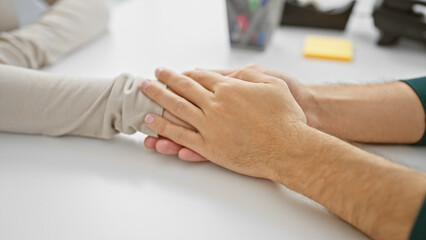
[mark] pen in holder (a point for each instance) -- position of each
(252, 22)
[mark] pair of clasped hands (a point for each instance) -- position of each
(244, 120)
(266, 124)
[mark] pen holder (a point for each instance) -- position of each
(252, 22)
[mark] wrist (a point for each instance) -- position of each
(314, 109)
(322, 112)
(302, 151)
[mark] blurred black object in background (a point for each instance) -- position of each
(308, 15)
(393, 18)
(400, 18)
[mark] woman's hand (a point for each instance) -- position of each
(166, 146)
(240, 125)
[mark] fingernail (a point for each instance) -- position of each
(149, 119)
(145, 83)
(158, 71)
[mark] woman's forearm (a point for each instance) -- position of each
(377, 196)
(376, 113)
(40, 103)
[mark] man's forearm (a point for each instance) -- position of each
(377, 196)
(376, 113)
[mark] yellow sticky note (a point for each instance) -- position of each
(328, 47)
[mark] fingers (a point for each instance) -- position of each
(166, 146)
(190, 156)
(162, 145)
(173, 103)
(207, 79)
(150, 142)
(184, 86)
(177, 134)
(249, 75)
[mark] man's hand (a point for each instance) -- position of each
(300, 92)
(219, 108)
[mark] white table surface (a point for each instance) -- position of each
(81, 188)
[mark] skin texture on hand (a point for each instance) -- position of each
(256, 127)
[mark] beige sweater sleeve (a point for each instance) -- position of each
(40, 103)
(67, 25)
(8, 18)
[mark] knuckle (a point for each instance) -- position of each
(239, 73)
(217, 108)
(185, 84)
(272, 79)
(253, 66)
(278, 81)
(179, 107)
(243, 72)
(225, 87)
(246, 71)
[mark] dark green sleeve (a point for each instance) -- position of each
(419, 86)
(419, 229)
